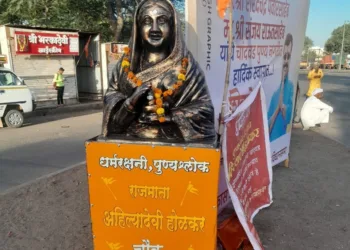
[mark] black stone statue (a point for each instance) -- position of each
(157, 90)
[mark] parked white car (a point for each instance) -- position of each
(15, 99)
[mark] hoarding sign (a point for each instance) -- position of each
(38, 43)
(268, 42)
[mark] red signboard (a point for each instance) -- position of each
(247, 162)
(235, 98)
(39, 43)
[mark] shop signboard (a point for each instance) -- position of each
(40, 43)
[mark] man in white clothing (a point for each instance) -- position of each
(315, 111)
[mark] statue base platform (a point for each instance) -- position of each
(153, 195)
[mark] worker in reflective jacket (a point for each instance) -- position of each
(58, 83)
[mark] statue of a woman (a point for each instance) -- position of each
(157, 90)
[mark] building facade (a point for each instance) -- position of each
(36, 54)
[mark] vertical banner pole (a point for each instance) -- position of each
(228, 70)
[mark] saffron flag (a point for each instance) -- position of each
(222, 6)
(91, 61)
(86, 48)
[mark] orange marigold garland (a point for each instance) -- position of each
(162, 119)
(159, 103)
(126, 51)
(159, 94)
(126, 68)
(130, 75)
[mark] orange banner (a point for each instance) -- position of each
(153, 197)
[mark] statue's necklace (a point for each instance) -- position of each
(158, 94)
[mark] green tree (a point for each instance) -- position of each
(121, 12)
(89, 15)
(334, 43)
(33, 12)
(309, 56)
(120, 18)
(7, 17)
(112, 18)
(84, 15)
(308, 43)
(312, 56)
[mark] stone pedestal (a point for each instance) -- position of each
(153, 194)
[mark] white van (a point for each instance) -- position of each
(15, 99)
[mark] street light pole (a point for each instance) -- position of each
(342, 46)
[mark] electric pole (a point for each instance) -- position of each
(342, 47)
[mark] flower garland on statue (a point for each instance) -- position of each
(158, 94)
(126, 67)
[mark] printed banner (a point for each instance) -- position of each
(247, 161)
(117, 48)
(223, 196)
(39, 43)
(267, 46)
(153, 197)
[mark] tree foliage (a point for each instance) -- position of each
(6, 16)
(308, 43)
(307, 54)
(121, 12)
(334, 43)
(112, 18)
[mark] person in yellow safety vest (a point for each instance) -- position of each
(315, 77)
(58, 82)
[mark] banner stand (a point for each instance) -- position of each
(286, 162)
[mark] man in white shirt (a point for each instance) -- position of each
(315, 111)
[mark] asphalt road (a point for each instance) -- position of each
(44, 147)
(48, 145)
(337, 94)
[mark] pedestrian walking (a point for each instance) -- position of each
(314, 111)
(58, 83)
(314, 76)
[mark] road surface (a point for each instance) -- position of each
(337, 94)
(48, 146)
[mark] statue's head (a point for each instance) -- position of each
(155, 21)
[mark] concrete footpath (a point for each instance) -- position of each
(53, 110)
(311, 198)
(310, 210)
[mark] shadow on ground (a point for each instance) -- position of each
(311, 199)
(50, 117)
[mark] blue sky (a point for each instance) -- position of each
(326, 15)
